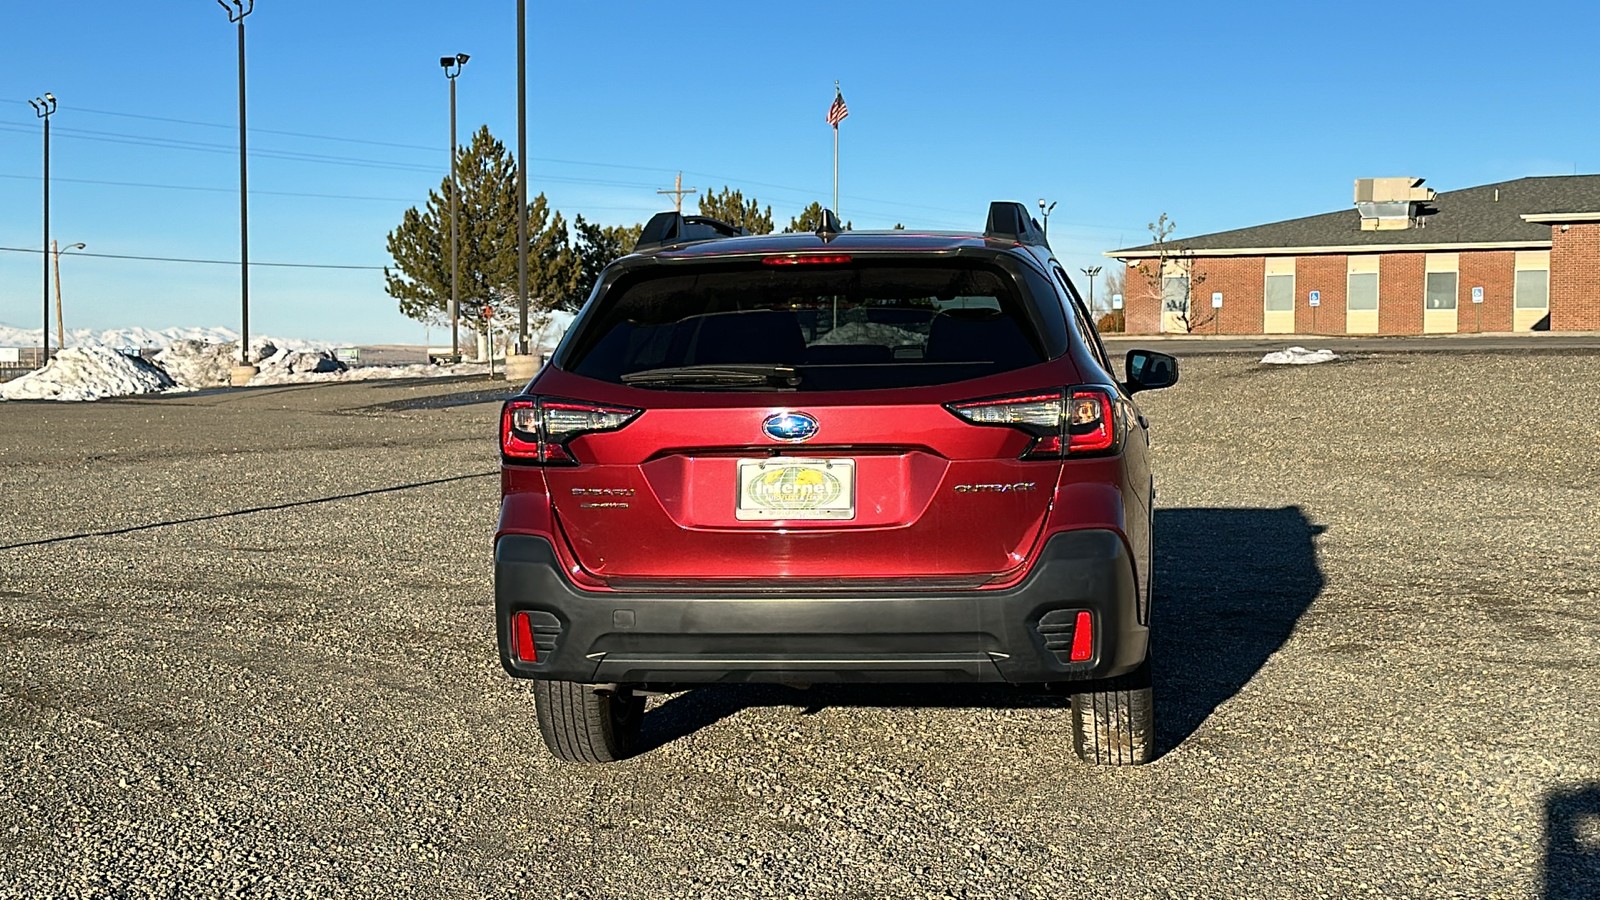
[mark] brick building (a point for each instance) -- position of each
(1519, 255)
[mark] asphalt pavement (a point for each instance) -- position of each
(246, 649)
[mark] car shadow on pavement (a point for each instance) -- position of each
(684, 714)
(1572, 843)
(1230, 584)
(271, 507)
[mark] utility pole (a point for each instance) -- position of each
(452, 67)
(44, 107)
(61, 328)
(678, 191)
(236, 14)
(522, 176)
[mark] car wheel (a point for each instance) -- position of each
(580, 725)
(1113, 724)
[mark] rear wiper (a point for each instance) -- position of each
(731, 375)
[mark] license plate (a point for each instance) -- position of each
(783, 487)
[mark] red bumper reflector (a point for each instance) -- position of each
(522, 639)
(1083, 638)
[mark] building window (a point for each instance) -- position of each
(1279, 295)
(1441, 290)
(1175, 293)
(1362, 292)
(1533, 289)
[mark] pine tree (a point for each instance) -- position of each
(810, 219)
(487, 244)
(596, 246)
(729, 206)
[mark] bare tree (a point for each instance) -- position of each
(1112, 283)
(1180, 299)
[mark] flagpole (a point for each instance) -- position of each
(836, 94)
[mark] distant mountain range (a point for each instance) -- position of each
(143, 338)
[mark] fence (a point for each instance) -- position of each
(18, 361)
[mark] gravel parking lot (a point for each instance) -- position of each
(246, 648)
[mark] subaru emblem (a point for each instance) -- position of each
(790, 426)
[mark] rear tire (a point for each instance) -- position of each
(1114, 724)
(581, 726)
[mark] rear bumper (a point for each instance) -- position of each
(1020, 635)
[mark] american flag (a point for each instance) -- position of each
(838, 110)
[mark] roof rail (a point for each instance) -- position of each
(668, 228)
(1009, 221)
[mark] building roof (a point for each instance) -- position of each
(1504, 214)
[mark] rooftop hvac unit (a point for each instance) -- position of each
(1390, 204)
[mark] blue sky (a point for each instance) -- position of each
(1219, 114)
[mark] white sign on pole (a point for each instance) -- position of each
(10, 355)
(1216, 300)
(1477, 295)
(1316, 298)
(1116, 301)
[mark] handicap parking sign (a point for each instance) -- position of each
(1316, 298)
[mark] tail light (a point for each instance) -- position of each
(537, 429)
(1069, 422)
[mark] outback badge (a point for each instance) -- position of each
(791, 427)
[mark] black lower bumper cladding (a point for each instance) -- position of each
(778, 635)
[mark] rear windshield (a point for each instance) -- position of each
(856, 326)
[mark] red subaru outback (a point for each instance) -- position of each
(858, 456)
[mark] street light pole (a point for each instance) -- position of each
(522, 176)
(1092, 272)
(44, 107)
(1044, 211)
(452, 67)
(61, 328)
(236, 14)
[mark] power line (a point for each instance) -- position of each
(350, 140)
(396, 165)
(293, 156)
(636, 208)
(299, 134)
(209, 262)
(218, 190)
(111, 137)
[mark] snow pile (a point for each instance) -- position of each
(871, 333)
(544, 335)
(281, 375)
(87, 373)
(282, 365)
(415, 370)
(199, 364)
(1298, 356)
(198, 358)
(203, 364)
